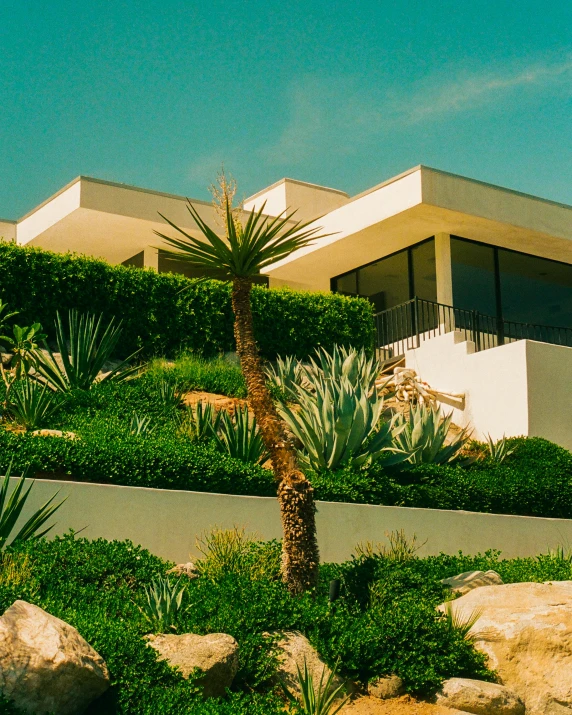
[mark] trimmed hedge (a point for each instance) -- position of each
(166, 313)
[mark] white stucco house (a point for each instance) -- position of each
(471, 283)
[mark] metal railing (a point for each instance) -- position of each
(406, 326)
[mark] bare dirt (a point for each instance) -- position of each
(404, 705)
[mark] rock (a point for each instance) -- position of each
(525, 629)
(215, 654)
(478, 697)
(294, 650)
(189, 569)
(467, 581)
(389, 686)
(53, 433)
(45, 665)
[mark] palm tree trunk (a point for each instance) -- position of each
(300, 557)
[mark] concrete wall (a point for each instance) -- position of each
(522, 388)
(7, 230)
(167, 522)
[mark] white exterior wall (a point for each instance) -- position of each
(522, 388)
(7, 230)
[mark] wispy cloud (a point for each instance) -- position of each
(335, 113)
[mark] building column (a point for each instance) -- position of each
(151, 258)
(443, 270)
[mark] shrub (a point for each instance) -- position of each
(192, 372)
(165, 313)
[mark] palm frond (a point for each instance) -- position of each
(248, 248)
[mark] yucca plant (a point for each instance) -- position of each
(247, 248)
(341, 423)
(240, 437)
(285, 375)
(323, 699)
(202, 421)
(140, 425)
(424, 433)
(91, 344)
(31, 404)
(499, 450)
(11, 508)
(163, 601)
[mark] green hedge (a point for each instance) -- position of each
(165, 313)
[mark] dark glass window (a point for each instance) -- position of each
(386, 283)
(424, 276)
(395, 279)
(535, 290)
(473, 267)
(347, 285)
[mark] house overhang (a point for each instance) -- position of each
(417, 205)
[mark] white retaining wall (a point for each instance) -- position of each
(521, 388)
(167, 522)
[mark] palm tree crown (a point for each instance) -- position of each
(249, 248)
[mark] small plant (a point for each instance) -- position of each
(169, 395)
(239, 436)
(31, 403)
(15, 569)
(202, 422)
(320, 700)
(424, 436)
(462, 625)
(25, 348)
(139, 426)
(91, 345)
(11, 507)
(163, 601)
(223, 552)
(400, 548)
(499, 450)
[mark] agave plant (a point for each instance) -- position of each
(163, 601)
(11, 508)
(240, 437)
(499, 450)
(424, 436)
(285, 375)
(91, 344)
(461, 624)
(324, 699)
(140, 425)
(341, 423)
(345, 363)
(203, 421)
(169, 395)
(31, 403)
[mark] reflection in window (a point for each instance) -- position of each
(535, 290)
(473, 267)
(386, 283)
(395, 279)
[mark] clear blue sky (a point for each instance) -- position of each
(158, 93)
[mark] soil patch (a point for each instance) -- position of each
(405, 705)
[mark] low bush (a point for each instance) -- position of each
(192, 372)
(165, 313)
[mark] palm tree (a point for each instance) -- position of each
(248, 248)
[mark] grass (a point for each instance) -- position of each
(192, 372)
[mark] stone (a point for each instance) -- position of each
(53, 433)
(467, 581)
(478, 697)
(45, 665)
(215, 654)
(293, 650)
(525, 629)
(189, 569)
(389, 686)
